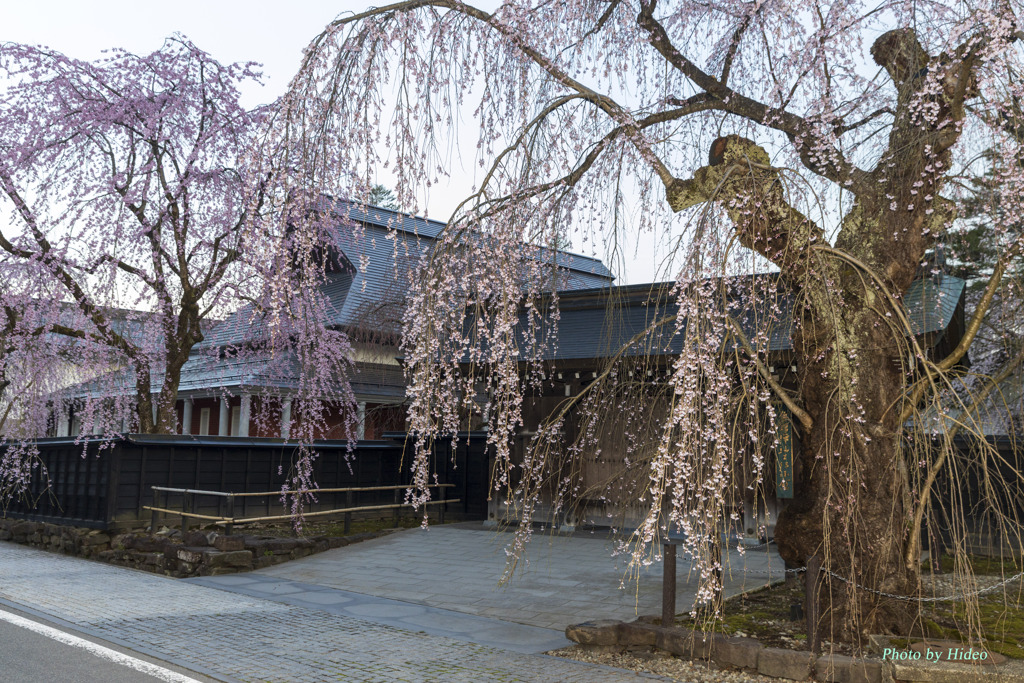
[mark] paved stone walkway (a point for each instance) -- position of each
(240, 638)
(568, 579)
(414, 617)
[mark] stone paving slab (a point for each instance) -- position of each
(402, 614)
(565, 580)
(240, 638)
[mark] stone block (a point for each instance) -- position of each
(95, 538)
(186, 568)
(254, 543)
(686, 643)
(792, 664)
(5, 535)
(146, 544)
(206, 570)
(22, 530)
(636, 634)
(281, 546)
(240, 559)
(228, 543)
(196, 539)
(192, 555)
(741, 653)
(601, 632)
(843, 669)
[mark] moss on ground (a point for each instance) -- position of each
(766, 614)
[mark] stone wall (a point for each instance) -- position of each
(195, 553)
(733, 652)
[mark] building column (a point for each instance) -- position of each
(186, 416)
(361, 420)
(243, 415)
(63, 422)
(286, 418)
(153, 398)
(224, 426)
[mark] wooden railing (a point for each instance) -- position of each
(188, 505)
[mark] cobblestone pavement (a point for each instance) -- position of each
(505, 635)
(568, 578)
(242, 638)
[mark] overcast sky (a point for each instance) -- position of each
(271, 33)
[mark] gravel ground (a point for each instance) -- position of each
(949, 584)
(662, 665)
(675, 668)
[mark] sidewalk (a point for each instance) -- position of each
(567, 579)
(235, 637)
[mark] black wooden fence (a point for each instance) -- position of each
(104, 484)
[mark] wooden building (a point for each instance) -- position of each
(633, 333)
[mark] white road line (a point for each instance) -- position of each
(98, 650)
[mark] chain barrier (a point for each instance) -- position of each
(773, 574)
(907, 598)
(940, 598)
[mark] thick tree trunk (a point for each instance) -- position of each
(851, 504)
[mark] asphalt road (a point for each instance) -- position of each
(34, 651)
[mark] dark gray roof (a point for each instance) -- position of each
(368, 291)
(207, 372)
(596, 323)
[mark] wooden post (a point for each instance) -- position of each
(812, 584)
(442, 506)
(231, 514)
(152, 514)
(185, 500)
(348, 515)
(668, 586)
(398, 510)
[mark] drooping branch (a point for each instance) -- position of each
(603, 101)
(54, 265)
(794, 407)
(832, 165)
(947, 363)
(933, 470)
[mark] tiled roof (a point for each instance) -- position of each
(205, 372)
(383, 255)
(596, 323)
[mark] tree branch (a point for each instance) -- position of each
(789, 401)
(741, 178)
(799, 130)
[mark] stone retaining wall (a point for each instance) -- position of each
(740, 653)
(196, 553)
